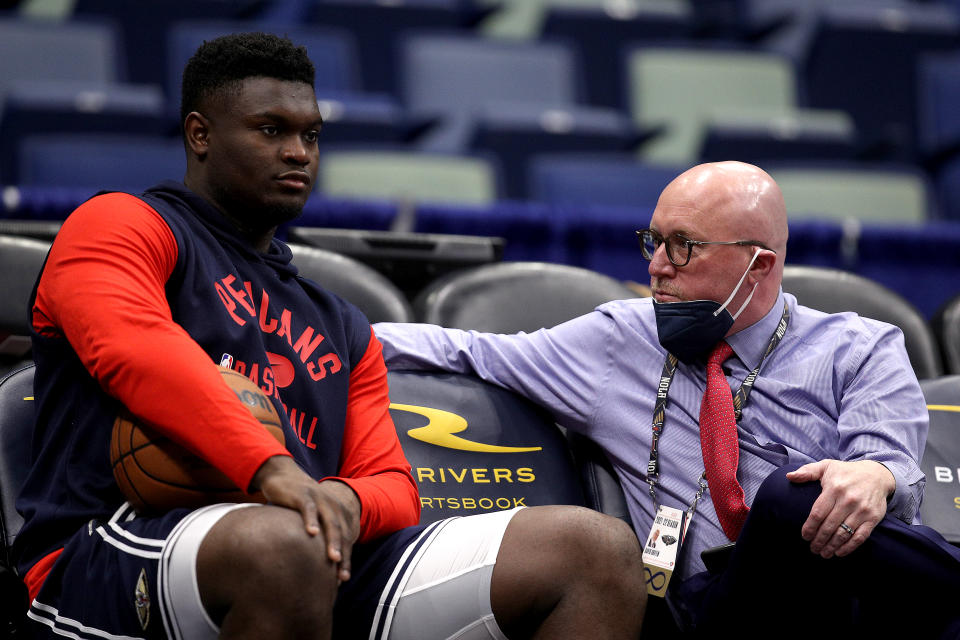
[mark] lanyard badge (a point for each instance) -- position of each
(662, 549)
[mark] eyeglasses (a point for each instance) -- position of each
(679, 248)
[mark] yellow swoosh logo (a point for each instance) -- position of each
(441, 425)
(944, 407)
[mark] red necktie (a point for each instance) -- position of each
(718, 442)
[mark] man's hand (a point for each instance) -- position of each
(854, 494)
(330, 504)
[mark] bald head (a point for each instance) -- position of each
(735, 197)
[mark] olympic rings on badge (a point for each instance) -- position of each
(652, 578)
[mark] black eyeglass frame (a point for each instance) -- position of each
(658, 239)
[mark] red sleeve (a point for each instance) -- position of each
(103, 289)
(372, 462)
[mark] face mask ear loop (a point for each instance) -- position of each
(737, 288)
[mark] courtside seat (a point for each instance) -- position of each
(940, 508)
(475, 447)
(16, 427)
(354, 281)
(834, 291)
(508, 297)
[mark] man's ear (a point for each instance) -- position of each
(763, 265)
(196, 131)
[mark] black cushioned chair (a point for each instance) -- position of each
(834, 290)
(508, 297)
(352, 280)
(946, 328)
(16, 428)
(940, 508)
(20, 261)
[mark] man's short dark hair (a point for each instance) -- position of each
(219, 65)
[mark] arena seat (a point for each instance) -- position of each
(614, 180)
(475, 447)
(940, 508)
(870, 193)
(946, 328)
(69, 51)
(60, 106)
(20, 262)
(354, 281)
(516, 133)
(508, 297)
(408, 176)
(834, 291)
(16, 427)
(681, 87)
(455, 77)
(101, 161)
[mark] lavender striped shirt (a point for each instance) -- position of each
(838, 386)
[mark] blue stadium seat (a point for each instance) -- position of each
(863, 59)
(104, 161)
(603, 31)
(68, 51)
(603, 180)
(938, 89)
(37, 107)
(518, 132)
(453, 76)
(378, 27)
(143, 26)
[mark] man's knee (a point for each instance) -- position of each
(783, 502)
(260, 550)
(576, 545)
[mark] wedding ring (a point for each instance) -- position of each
(846, 527)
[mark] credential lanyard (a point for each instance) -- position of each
(739, 402)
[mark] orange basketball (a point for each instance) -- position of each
(156, 474)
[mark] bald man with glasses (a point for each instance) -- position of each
(782, 444)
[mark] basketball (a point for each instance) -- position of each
(156, 474)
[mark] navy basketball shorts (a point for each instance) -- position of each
(135, 577)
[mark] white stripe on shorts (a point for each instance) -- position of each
(446, 591)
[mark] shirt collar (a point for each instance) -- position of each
(750, 344)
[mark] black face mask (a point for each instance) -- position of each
(689, 329)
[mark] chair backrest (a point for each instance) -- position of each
(834, 290)
(940, 508)
(946, 329)
(16, 433)
(408, 176)
(58, 106)
(101, 161)
(611, 180)
(20, 262)
(69, 51)
(508, 297)
(681, 88)
(354, 281)
(475, 447)
(871, 194)
(446, 73)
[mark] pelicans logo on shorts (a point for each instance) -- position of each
(142, 599)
